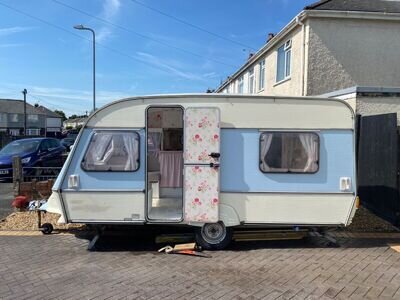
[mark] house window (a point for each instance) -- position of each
(251, 81)
(261, 78)
(3, 117)
(33, 131)
(112, 151)
(289, 152)
(241, 85)
(33, 118)
(14, 132)
(13, 117)
(284, 61)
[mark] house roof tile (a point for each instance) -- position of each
(387, 6)
(13, 106)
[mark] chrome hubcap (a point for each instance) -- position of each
(213, 233)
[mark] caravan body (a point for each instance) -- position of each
(204, 159)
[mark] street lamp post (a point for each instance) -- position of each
(81, 27)
(24, 92)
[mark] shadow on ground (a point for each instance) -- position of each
(143, 240)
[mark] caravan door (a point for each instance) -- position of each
(201, 164)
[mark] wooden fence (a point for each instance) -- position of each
(378, 165)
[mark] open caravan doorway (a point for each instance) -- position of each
(164, 178)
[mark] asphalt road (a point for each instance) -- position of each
(6, 197)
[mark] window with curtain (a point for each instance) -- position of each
(154, 141)
(3, 117)
(112, 151)
(252, 89)
(240, 85)
(33, 131)
(289, 152)
(261, 77)
(284, 61)
(13, 117)
(33, 118)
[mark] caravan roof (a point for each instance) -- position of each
(237, 111)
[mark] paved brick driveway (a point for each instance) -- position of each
(59, 267)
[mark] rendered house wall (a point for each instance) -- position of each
(345, 52)
(378, 105)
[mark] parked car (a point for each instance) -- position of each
(68, 142)
(34, 152)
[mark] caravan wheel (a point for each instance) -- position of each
(213, 236)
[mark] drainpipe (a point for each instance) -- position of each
(303, 50)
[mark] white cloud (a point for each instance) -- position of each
(111, 8)
(13, 30)
(11, 45)
(69, 100)
(157, 62)
(109, 12)
(210, 75)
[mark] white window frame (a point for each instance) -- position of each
(14, 118)
(285, 170)
(261, 78)
(240, 85)
(3, 117)
(33, 131)
(32, 118)
(252, 81)
(287, 61)
(14, 132)
(119, 132)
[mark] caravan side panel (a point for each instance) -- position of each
(104, 196)
(291, 209)
(104, 206)
(287, 198)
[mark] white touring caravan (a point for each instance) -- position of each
(212, 161)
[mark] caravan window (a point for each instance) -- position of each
(289, 152)
(112, 151)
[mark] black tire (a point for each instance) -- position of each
(213, 236)
(47, 228)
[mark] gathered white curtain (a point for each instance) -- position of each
(99, 150)
(131, 143)
(311, 146)
(171, 168)
(266, 141)
(155, 139)
(113, 151)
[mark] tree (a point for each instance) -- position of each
(61, 113)
(75, 116)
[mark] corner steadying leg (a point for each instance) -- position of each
(99, 232)
(331, 239)
(317, 232)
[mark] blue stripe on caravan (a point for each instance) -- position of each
(105, 180)
(240, 164)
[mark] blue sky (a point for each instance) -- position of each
(146, 53)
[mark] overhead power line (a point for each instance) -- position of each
(193, 25)
(81, 37)
(141, 34)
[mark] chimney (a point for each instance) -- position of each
(270, 36)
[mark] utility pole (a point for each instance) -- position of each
(24, 92)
